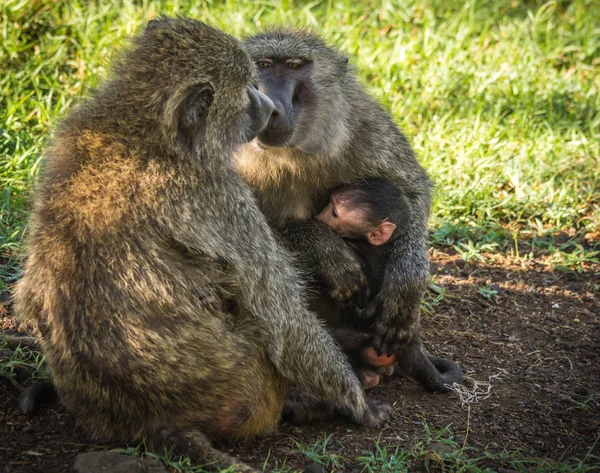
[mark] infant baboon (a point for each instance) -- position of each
(166, 308)
(370, 214)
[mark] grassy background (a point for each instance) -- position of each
(500, 98)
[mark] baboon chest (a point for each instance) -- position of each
(284, 203)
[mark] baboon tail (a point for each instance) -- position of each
(197, 446)
(449, 371)
(35, 394)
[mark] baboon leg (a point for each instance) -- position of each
(449, 371)
(197, 446)
(35, 394)
(302, 407)
(430, 372)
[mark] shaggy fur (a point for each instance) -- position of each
(166, 307)
(342, 135)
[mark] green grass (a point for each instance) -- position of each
(22, 365)
(434, 451)
(499, 97)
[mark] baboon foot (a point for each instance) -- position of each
(449, 371)
(377, 415)
(369, 379)
(198, 447)
(432, 373)
(35, 394)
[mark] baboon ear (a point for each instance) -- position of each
(152, 25)
(196, 104)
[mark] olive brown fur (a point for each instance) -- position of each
(166, 308)
(327, 131)
(339, 135)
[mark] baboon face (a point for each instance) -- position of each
(287, 82)
(198, 83)
(303, 77)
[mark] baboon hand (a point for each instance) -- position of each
(376, 415)
(344, 279)
(393, 326)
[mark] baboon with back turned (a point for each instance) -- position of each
(165, 306)
(326, 131)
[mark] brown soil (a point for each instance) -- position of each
(542, 328)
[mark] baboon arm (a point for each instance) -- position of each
(406, 274)
(268, 289)
(332, 260)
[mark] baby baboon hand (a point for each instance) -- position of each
(376, 415)
(389, 337)
(394, 324)
(344, 278)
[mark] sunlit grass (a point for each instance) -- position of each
(499, 98)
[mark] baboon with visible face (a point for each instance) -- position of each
(326, 131)
(165, 306)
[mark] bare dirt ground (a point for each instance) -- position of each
(542, 328)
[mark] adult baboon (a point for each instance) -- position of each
(326, 131)
(166, 307)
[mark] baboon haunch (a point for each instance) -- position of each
(326, 131)
(165, 305)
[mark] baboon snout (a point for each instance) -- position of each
(259, 111)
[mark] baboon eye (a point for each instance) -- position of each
(294, 63)
(264, 63)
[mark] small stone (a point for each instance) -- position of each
(297, 431)
(565, 397)
(288, 452)
(576, 321)
(555, 306)
(475, 343)
(313, 467)
(26, 439)
(112, 462)
(440, 448)
(581, 391)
